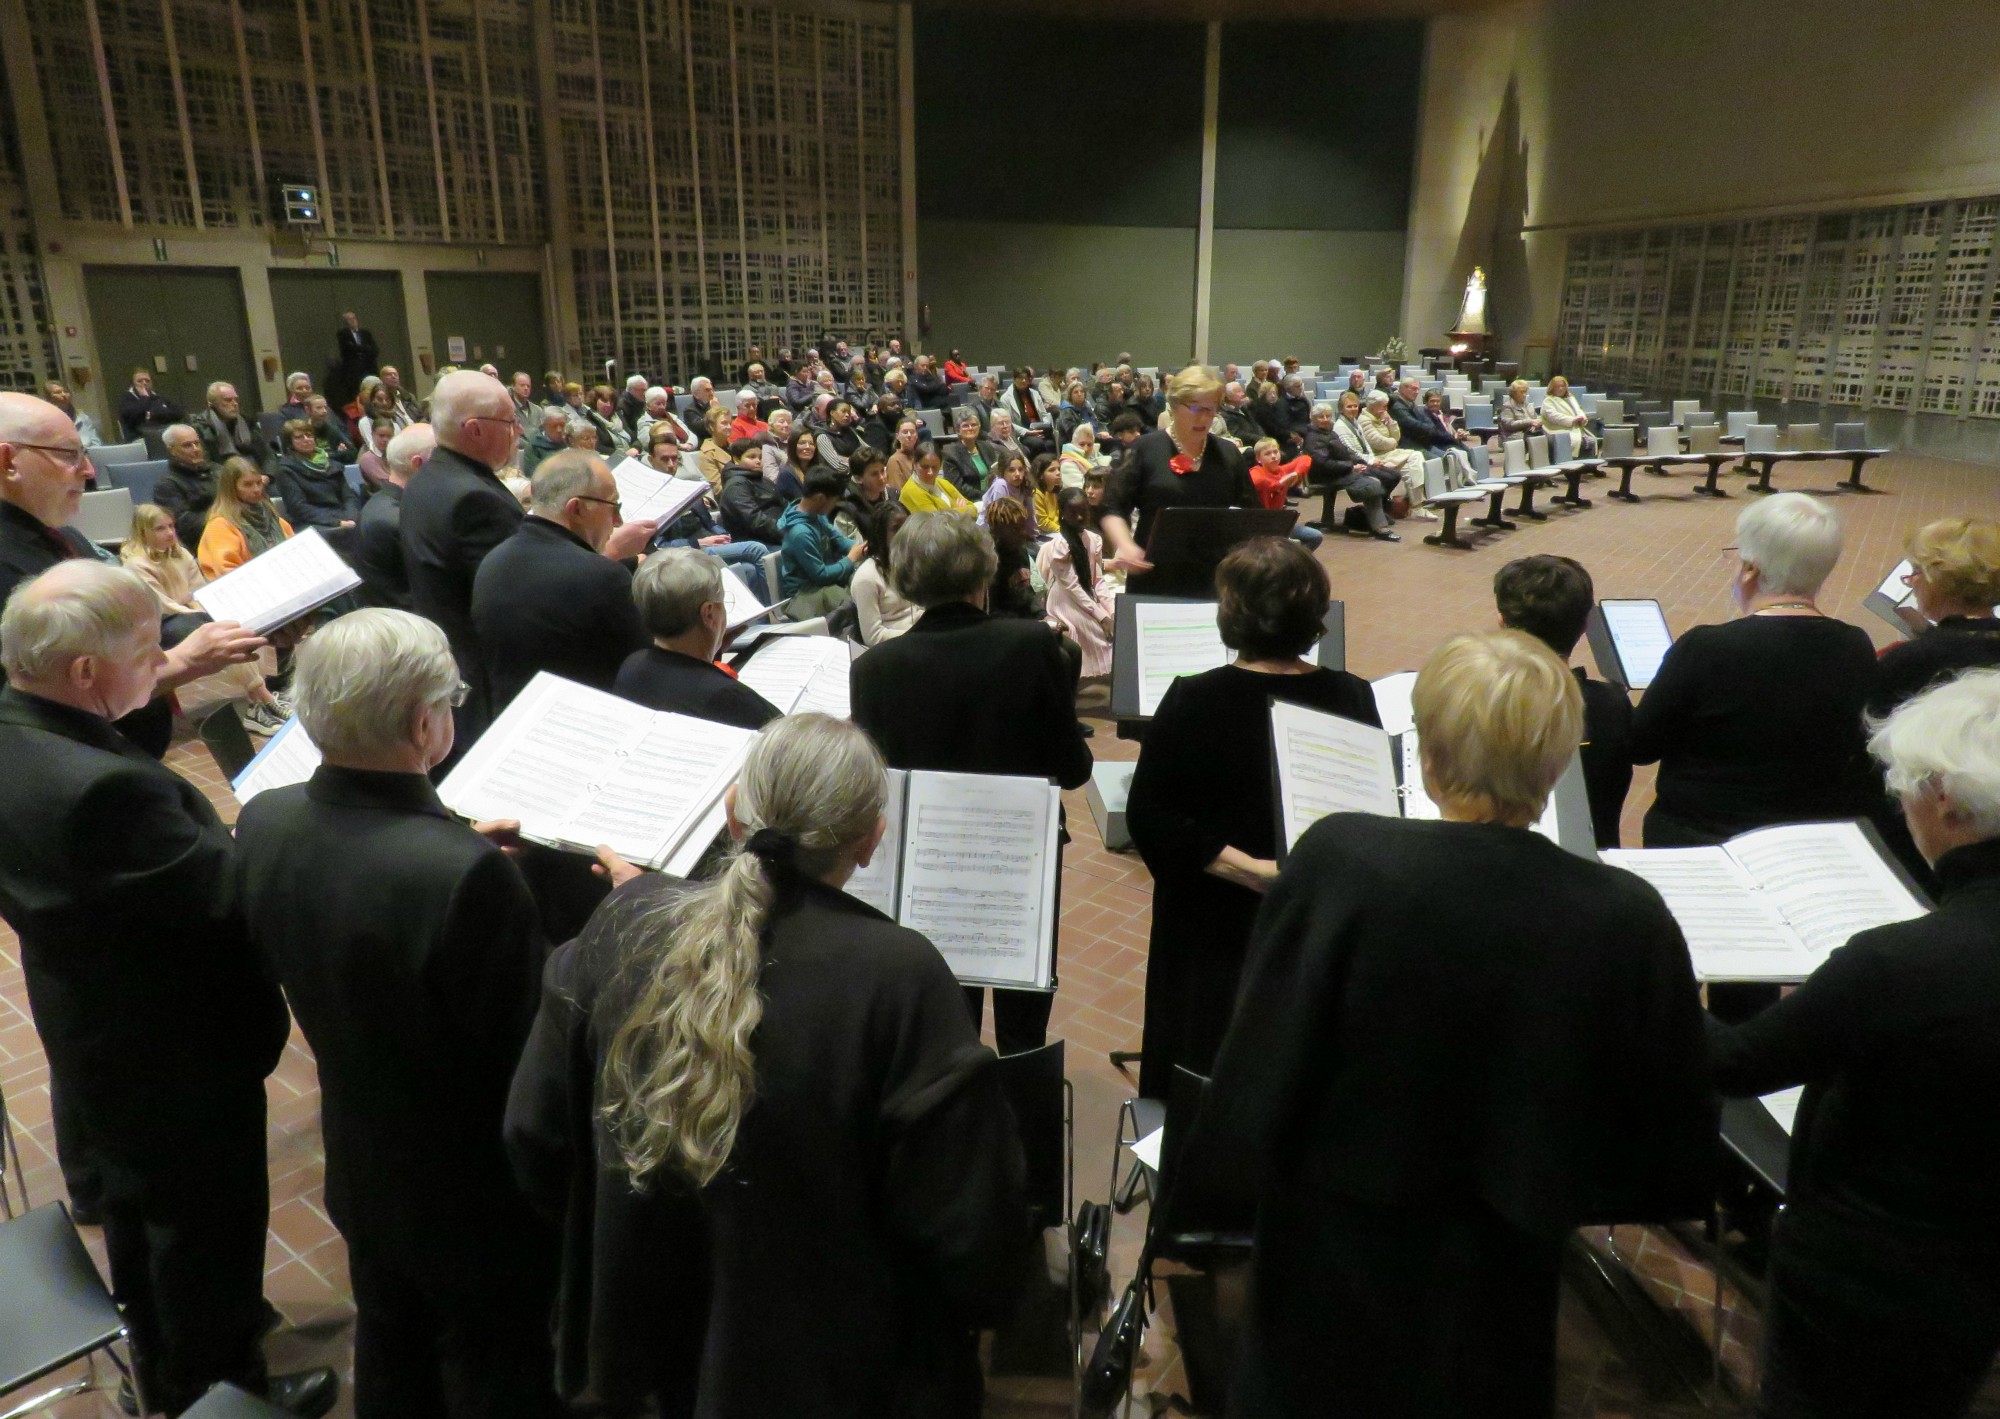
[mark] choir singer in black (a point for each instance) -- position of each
(1885, 1265)
(408, 945)
(791, 1182)
(1455, 1042)
(1201, 809)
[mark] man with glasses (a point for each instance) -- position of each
(455, 511)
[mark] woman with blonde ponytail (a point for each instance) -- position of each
(789, 1181)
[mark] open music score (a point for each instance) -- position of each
(275, 588)
(288, 757)
(646, 494)
(970, 860)
(1174, 639)
(1628, 640)
(578, 767)
(802, 674)
(1773, 904)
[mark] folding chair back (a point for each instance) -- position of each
(110, 455)
(1538, 451)
(1514, 455)
(1804, 438)
(138, 478)
(1845, 437)
(1434, 483)
(1611, 411)
(1663, 441)
(1589, 403)
(1562, 446)
(1482, 461)
(105, 517)
(1683, 408)
(1760, 438)
(1704, 438)
(1618, 441)
(1737, 421)
(1655, 419)
(54, 1308)
(1479, 417)
(772, 584)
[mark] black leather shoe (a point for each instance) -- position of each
(1386, 536)
(308, 1394)
(86, 1214)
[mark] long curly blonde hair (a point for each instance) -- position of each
(680, 1073)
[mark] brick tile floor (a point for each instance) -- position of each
(1402, 600)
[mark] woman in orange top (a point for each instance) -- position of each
(242, 522)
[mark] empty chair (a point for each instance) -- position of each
(1611, 411)
(933, 420)
(1482, 461)
(681, 402)
(54, 1309)
(1804, 438)
(1760, 438)
(1440, 495)
(105, 517)
(1538, 451)
(1589, 403)
(1562, 446)
(1683, 408)
(110, 455)
(1618, 442)
(1737, 421)
(1663, 441)
(1704, 438)
(1655, 419)
(138, 478)
(1850, 437)
(1537, 393)
(1514, 458)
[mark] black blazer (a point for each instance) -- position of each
(156, 1013)
(877, 1143)
(454, 512)
(376, 550)
(957, 460)
(1606, 754)
(410, 951)
(667, 680)
(545, 601)
(964, 692)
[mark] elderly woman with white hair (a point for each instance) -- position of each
(1425, 1092)
(1885, 1267)
(410, 950)
(1758, 721)
(1385, 446)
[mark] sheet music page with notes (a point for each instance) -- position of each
(876, 883)
(288, 757)
(274, 588)
(578, 767)
(1327, 764)
(801, 674)
(1173, 639)
(1639, 631)
(739, 605)
(645, 493)
(1827, 879)
(978, 870)
(1733, 930)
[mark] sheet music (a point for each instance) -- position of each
(1827, 880)
(1893, 589)
(1416, 799)
(1327, 764)
(275, 588)
(876, 883)
(288, 757)
(802, 674)
(978, 875)
(1784, 1106)
(1392, 701)
(739, 605)
(1733, 930)
(1639, 631)
(1173, 639)
(645, 493)
(685, 858)
(579, 767)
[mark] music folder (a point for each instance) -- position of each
(1896, 603)
(276, 587)
(1157, 639)
(1628, 640)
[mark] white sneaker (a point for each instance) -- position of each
(262, 719)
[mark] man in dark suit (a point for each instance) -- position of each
(679, 596)
(358, 357)
(1550, 598)
(964, 692)
(557, 595)
(409, 947)
(376, 551)
(456, 511)
(159, 1020)
(1418, 430)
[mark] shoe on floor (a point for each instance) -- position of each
(262, 719)
(1425, 514)
(308, 1394)
(1386, 536)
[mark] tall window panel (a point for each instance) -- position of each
(1891, 308)
(27, 345)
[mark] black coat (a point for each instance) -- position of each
(1606, 754)
(1204, 783)
(543, 600)
(1416, 426)
(1332, 460)
(316, 497)
(222, 438)
(1948, 649)
(155, 1011)
(867, 1218)
(376, 550)
(750, 506)
(667, 680)
(409, 949)
(964, 692)
(138, 412)
(454, 513)
(188, 494)
(1509, 1063)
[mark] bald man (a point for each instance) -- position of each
(376, 553)
(456, 511)
(159, 1019)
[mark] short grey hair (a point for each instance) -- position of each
(167, 434)
(653, 392)
(966, 416)
(73, 609)
(556, 412)
(1376, 396)
(637, 381)
(671, 588)
(1950, 736)
(295, 376)
(215, 387)
(560, 477)
(1793, 541)
(405, 448)
(1324, 407)
(941, 557)
(362, 678)
(700, 382)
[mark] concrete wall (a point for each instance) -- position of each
(1316, 294)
